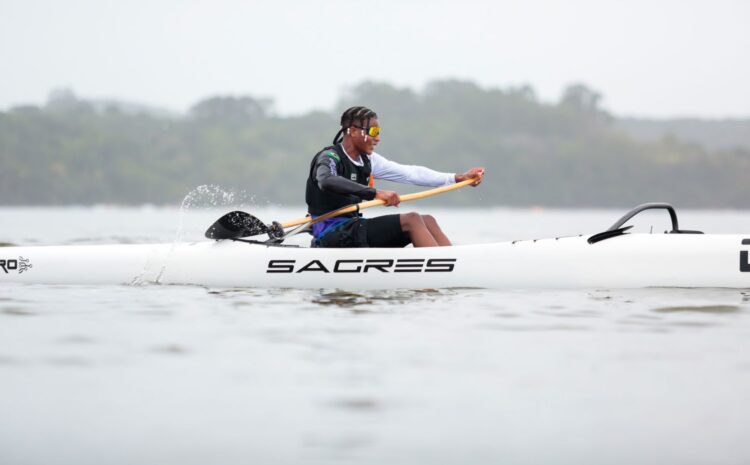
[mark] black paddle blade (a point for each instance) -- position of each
(236, 224)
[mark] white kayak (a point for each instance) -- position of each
(612, 259)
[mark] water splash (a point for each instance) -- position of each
(207, 196)
(212, 196)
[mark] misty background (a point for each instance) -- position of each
(568, 104)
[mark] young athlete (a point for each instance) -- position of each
(342, 174)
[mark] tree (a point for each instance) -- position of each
(239, 109)
(581, 98)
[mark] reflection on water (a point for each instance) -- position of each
(77, 339)
(357, 404)
(15, 311)
(710, 309)
(379, 297)
(62, 361)
(171, 349)
(538, 327)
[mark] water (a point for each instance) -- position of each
(189, 375)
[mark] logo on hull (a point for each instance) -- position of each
(18, 265)
(400, 265)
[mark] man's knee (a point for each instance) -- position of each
(429, 220)
(410, 220)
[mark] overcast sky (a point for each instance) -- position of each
(649, 58)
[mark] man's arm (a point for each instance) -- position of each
(326, 175)
(382, 168)
(474, 173)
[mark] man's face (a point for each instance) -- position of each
(364, 142)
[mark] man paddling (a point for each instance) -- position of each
(342, 174)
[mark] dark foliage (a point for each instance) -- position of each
(567, 154)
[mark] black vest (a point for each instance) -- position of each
(319, 202)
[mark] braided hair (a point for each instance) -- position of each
(361, 115)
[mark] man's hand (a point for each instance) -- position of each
(391, 198)
(472, 173)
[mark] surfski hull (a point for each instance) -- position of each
(627, 261)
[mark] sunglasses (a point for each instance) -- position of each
(372, 131)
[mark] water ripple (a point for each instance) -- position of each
(709, 309)
(16, 311)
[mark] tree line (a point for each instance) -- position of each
(567, 153)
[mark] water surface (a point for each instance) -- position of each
(192, 375)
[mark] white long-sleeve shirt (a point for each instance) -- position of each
(383, 168)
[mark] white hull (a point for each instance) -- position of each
(628, 261)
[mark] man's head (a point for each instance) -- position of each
(361, 127)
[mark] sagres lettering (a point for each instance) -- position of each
(370, 265)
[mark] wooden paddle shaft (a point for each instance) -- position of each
(374, 203)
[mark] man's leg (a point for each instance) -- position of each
(414, 225)
(385, 231)
(435, 230)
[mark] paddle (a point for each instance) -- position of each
(238, 224)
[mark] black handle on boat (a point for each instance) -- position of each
(617, 229)
(647, 206)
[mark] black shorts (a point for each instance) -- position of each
(381, 231)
